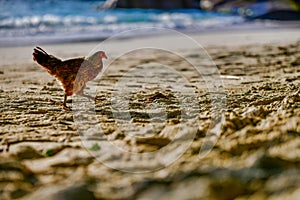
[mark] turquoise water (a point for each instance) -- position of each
(34, 21)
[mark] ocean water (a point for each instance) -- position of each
(47, 21)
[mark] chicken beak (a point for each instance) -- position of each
(103, 55)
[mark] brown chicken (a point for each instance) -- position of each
(74, 73)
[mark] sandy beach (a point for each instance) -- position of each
(255, 153)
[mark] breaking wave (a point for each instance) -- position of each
(59, 20)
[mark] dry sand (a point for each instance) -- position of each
(256, 156)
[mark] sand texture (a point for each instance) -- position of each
(256, 156)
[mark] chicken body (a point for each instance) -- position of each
(73, 74)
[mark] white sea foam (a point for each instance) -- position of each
(81, 22)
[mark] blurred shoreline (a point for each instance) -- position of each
(22, 54)
(261, 26)
(52, 22)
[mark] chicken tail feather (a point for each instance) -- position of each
(43, 58)
(39, 48)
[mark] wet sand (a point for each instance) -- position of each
(256, 154)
